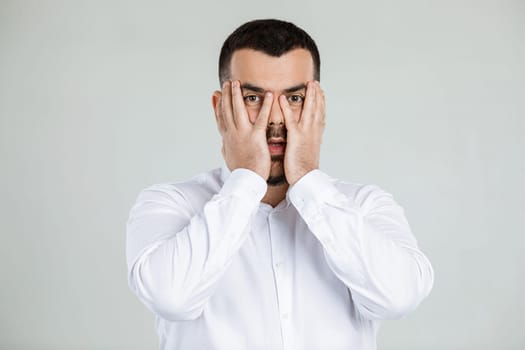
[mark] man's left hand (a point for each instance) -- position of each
(303, 144)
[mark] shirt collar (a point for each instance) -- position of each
(225, 173)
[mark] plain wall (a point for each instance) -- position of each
(99, 99)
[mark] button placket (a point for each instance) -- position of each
(278, 239)
(275, 243)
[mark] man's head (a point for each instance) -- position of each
(270, 56)
(270, 36)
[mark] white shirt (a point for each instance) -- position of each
(222, 270)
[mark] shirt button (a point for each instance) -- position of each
(285, 316)
(278, 265)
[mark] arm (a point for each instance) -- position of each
(368, 245)
(367, 241)
(175, 256)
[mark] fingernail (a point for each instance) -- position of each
(268, 95)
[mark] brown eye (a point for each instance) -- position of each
(252, 99)
(296, 99)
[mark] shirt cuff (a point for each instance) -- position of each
(244, 183)
(311, 191)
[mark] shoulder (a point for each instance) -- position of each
(190, 193)
(364, 195)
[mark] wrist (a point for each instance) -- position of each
(297, 175)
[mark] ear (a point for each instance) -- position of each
(215, 99)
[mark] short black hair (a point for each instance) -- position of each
(271, 36)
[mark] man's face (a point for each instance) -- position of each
(285, 75)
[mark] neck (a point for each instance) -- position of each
(275, 194)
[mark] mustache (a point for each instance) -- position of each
(278, 131)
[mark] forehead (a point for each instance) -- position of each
(272, 73)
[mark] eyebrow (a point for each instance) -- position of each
(251, 87)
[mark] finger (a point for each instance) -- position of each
(309, 104)
(321, 104)
(226, 106)
(264, 114)
(219, 115)
(240, 116)
(289, 120)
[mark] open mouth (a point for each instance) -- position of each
(276, 146)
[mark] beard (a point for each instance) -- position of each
(276, 180)
(277, 175)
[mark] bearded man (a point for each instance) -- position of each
(268, 251)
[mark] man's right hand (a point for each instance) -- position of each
(244, 143)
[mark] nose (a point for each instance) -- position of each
(276, 114)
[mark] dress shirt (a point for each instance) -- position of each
(222, 270)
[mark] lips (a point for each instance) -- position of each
(276, 146)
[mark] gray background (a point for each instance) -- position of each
(99, 99)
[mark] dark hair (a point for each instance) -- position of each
(271, 36)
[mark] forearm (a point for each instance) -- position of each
(368, 245)
(175, 274)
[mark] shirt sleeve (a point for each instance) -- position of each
(176, 256)
(368, 245)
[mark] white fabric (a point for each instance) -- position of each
(222, 270)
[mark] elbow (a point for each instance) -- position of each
(165, 300)
(387, 307)
(399, 307)
(404, 299)
(409, 298)
(401, 303)
(398, 299)
(172, 308)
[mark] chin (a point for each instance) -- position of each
(277, 176)
(277, 180)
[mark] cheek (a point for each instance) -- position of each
(253, 112)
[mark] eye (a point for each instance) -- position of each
(296, 99)
(252, 99)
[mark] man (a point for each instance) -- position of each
(269, 252)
